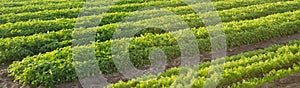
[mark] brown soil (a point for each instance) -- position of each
(288, 82)
(5, 81)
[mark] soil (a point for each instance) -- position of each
(5, 81)
(292, 81)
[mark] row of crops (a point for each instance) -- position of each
(45, 24)
(106, 32)
(247, 70)
(37, 37)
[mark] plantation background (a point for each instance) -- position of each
(262, 40)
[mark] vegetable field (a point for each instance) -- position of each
(37, 42)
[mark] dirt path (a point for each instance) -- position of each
(5, 81)
(289, 82)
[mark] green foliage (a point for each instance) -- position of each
(40, 26)
(263, 29)
(50, 26)
(35, 26)
(248, 70)
(19, 50)
(41, 15)
(268, 77)
(74, 12)
(47, 5)
(18, 4)
(34, 8)
(19, 47)
(106, 32)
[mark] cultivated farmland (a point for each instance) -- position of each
(238, 43)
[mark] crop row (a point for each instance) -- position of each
(18, 4)
(106, 32)
(239, 60)
(11, 3)
(21, 28)
(57, 67)
(283, 57)
(72, 13)
(31, 45)
(91, 6)
(237, 33)
(36, 26)
(232, 61)
(34, 8)
(268, 78)
(180, 10)
(41, 15)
